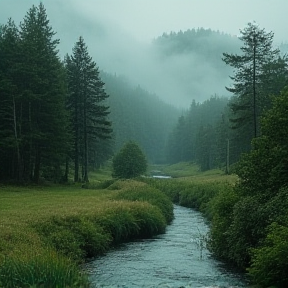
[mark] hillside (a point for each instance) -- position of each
(139, 116)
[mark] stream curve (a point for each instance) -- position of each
(178, 258)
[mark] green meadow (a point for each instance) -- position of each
(47, 231)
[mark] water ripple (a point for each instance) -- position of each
(177, 259)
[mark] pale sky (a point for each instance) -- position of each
(119, 33)
(147, 19)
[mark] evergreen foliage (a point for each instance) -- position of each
(140, 116)
(33, 98)
(259, 72)
(86, 103)
(195, 137)
(256, 226)
(130, 162)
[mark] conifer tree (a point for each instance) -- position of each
(42, 110)
(86, 103)
(9, 126)
(251, 73)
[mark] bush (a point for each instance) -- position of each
(270, 261)
(221, 211)
(130, 162)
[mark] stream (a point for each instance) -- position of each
(178, 258)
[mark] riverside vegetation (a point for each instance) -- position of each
(47, 232)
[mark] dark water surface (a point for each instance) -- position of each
(177, 258)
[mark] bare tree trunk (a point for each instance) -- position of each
(19, 168)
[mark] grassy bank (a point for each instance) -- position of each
(47, 231)
(248, 225)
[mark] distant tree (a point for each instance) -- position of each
(254, 68)
(130, 162)
(86, 103)
(177, 142)
(195, 137)
(139, 116)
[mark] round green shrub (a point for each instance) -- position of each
(130, 162)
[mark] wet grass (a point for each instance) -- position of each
(46, 231)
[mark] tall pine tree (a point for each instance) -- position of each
(42, 113)
(86, 103)
(252, 70)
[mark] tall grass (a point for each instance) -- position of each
(47, 231)
(45, 270)
(192, 194)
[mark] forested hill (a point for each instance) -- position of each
(139, 116)
(206, 42)
(195, 58)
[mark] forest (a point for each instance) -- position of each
(74, 125)
(62, 119)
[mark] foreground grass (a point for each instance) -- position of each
(46, 231)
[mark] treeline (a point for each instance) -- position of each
(205, 46)
(56, 115)
(52, 112)
(216, 132)
(249, 225)
(248, 219)
(139, 116)
(197, 137)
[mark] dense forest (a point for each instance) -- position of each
(61, 118)
(140, 116)
(65, 116)
(217, 131)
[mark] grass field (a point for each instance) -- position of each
(56, 227)
(191, 172)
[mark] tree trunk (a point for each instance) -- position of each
(19, 165)
(36, 176)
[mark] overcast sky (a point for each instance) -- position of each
(118, 34)
(146, 19)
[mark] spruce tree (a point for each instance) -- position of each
(43, 114)
(86, 103)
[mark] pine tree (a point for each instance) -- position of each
(251, 72)
(86, 103)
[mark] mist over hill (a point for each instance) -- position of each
(178, 67)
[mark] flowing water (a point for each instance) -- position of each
(178, 258)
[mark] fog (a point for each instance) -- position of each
(119, 38)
